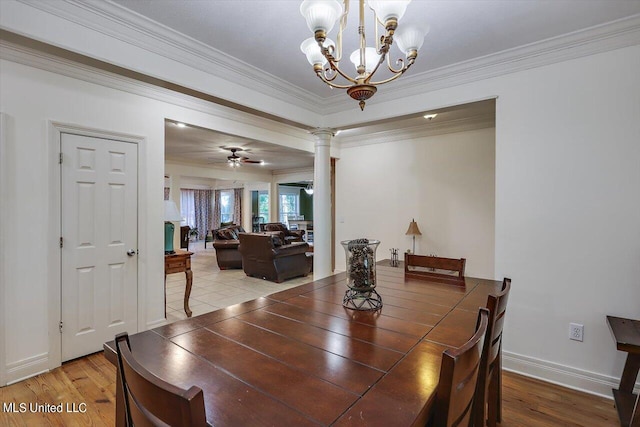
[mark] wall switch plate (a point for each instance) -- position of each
(576, 331)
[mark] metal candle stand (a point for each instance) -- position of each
(394, 257)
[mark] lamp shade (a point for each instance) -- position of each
(321, 14)
(413, 229)
(171, 211)
(410, 37)
(311, 49)
(388, 9)
(371, 58)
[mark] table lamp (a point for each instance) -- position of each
(414, 231)
(170, 214)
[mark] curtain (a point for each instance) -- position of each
(216, 209)
(203, 211)
(187, 207)
(237, 206)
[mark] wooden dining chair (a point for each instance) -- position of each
(458, 378)
(488, 405)
(151, 401)
(433, 268)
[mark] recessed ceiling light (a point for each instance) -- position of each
(430, 116)
(181, 125)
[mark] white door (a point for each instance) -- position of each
(99, 242)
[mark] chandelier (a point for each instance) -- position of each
(322, 15)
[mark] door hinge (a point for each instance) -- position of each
(60, 158)
(61, 241)
(60, 326)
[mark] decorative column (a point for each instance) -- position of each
(273, 201)
(322, 204)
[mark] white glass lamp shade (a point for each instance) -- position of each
(410, 37)
(310, 48)
(371, 58)
(171, 212)
(321, 14)
(387, 9)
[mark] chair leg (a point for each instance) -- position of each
(494, 396)
(499, 386)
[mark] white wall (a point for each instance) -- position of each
(445, 182)
(31, 99)
(567, 208)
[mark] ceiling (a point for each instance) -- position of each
(195, 145)
(266, 35)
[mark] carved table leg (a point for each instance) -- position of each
(187, 291)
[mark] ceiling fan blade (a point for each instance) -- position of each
(245, 160)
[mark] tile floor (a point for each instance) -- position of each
(213, 289)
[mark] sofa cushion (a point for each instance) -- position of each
(227, 234)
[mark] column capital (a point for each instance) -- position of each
(323, 136)
(323, 132)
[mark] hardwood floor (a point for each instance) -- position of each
(91, 381)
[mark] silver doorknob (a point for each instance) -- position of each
(131, 252)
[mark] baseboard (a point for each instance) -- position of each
(566, 376)
(156, 323)
(27, 368)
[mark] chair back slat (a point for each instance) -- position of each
(151, 401)
(447, 270)
(458, 378)
(497, 305)
(489, 394)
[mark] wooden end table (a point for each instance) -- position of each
(626, 332)
(179, 262)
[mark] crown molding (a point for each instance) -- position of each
(602, 38)
(299, 138)
(418, 132)
(122, 24)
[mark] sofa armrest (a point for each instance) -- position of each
(226, 244)
(291, 249)
(297, 233)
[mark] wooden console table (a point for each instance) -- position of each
(626, 332)
(179, 262)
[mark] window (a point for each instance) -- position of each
(187, 207)
(263, 205)
(226, 206)
(289, 203)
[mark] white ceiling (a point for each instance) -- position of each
(195, 145)
(266, 35)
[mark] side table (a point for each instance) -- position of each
(179, 262)
(626, 332)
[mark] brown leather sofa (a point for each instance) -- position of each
(290, 236)
(225, 242)
(266, 256)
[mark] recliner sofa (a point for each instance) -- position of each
(266, 256)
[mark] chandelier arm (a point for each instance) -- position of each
(380, 61)
(343, 24)
(397, 70)
(337, 69)
(330, 82)
(390, 79)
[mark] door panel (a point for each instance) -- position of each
(99, 225)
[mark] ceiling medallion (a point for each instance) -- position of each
(322, 15)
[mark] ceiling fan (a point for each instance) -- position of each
(235, 161)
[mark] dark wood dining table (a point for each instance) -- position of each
(298, 357)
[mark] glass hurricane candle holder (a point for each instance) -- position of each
(360, 255)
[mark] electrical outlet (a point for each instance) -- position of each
(576, 331)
